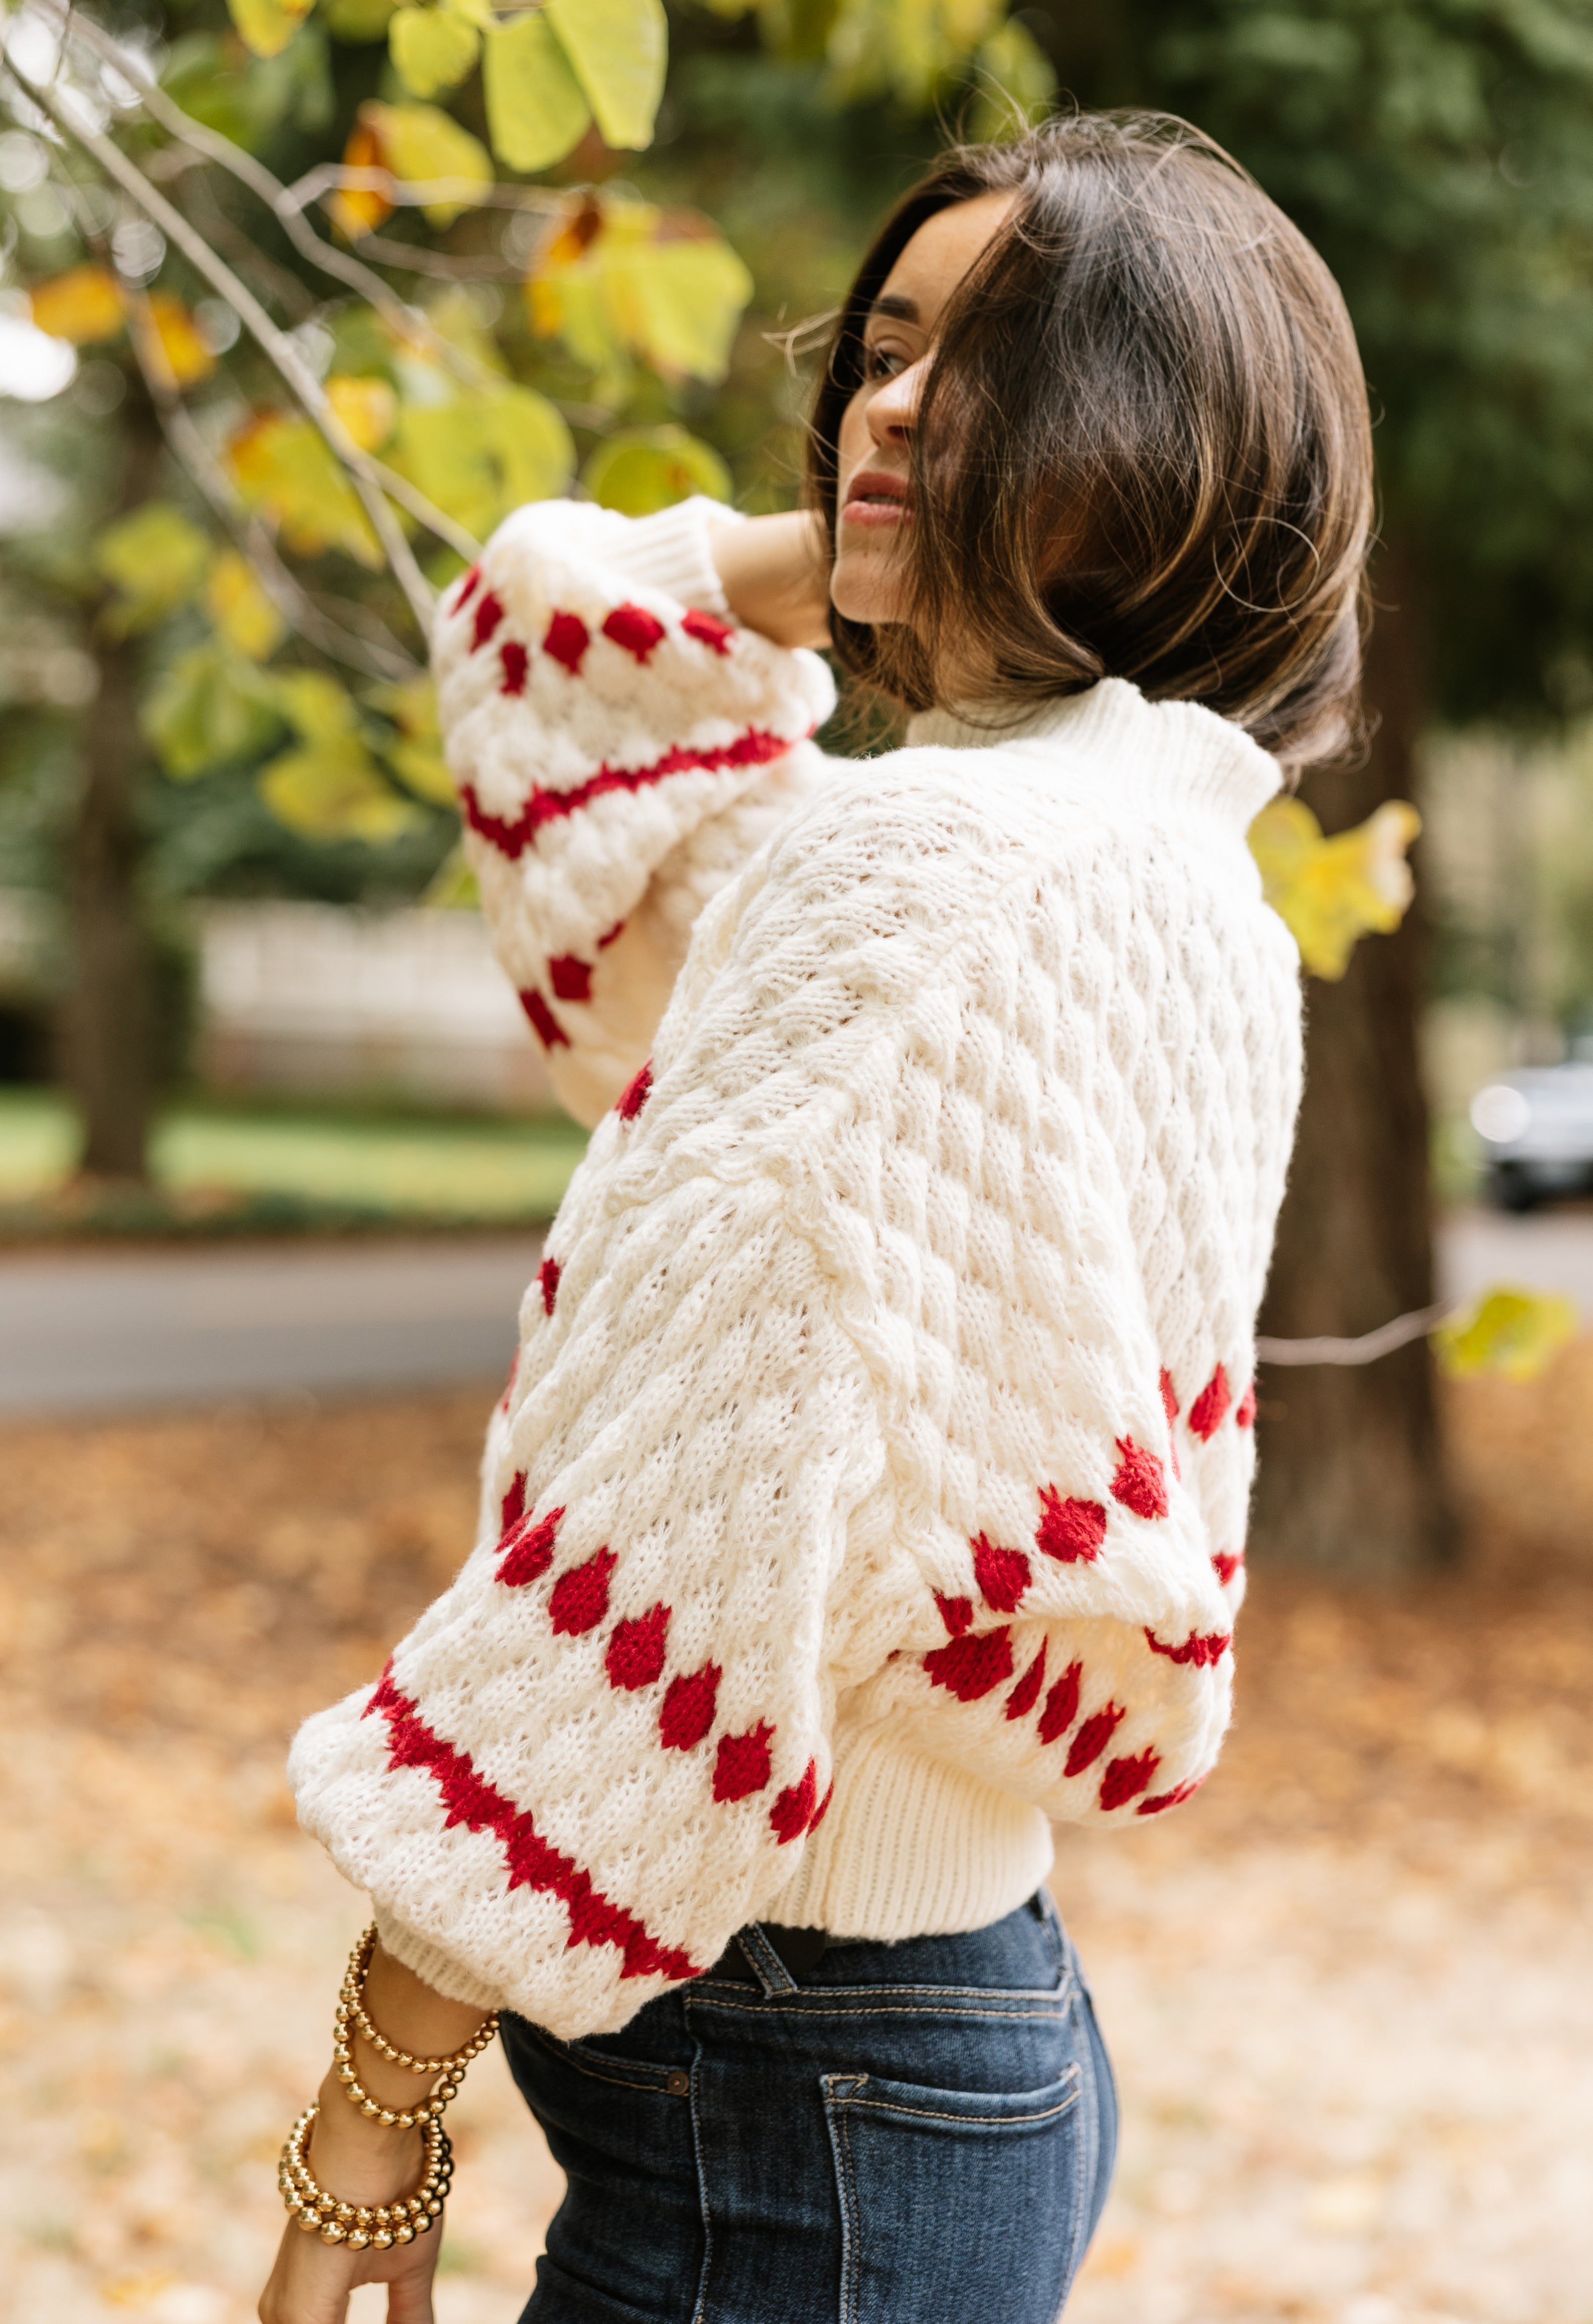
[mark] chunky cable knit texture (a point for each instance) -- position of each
(872, 1484)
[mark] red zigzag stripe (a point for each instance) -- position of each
(511, 835)
(594, 1920)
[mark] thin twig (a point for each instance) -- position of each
(1367, 1350)
(285, 203)
(382, 658)
(365, 475)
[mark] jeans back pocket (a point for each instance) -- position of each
(958, 2204)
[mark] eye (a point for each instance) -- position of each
(883, 361)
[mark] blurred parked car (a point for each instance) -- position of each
(1536, 1127)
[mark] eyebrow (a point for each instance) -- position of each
(903, 310)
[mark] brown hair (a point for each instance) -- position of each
(1143, 449)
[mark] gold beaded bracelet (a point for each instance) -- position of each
(352, 2018)
(363, 2227)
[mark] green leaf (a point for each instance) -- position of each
(480, 456)
(432, 48)
(638, 470)
(205, 710)
(689, 296)
(155, 558)
(359, 20)
(266, 26)
(623, 276)
(452, 887)
(535, 112)
(415, 754)
(1508, 1330)
(1016, 85)
(618, 49)
(334, 789)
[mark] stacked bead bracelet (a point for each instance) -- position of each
(352, 2018)
(377, 2226)
(363, 2227)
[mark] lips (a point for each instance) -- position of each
(878, 496)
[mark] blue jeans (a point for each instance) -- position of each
(907, 2133)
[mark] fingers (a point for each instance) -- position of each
(409, 2292)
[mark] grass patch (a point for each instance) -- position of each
(220, 1168)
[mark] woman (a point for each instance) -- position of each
(871, 1487)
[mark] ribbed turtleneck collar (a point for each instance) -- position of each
(1180, 752)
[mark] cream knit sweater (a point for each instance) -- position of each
(872, 1482)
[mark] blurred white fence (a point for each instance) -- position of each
(317, 999)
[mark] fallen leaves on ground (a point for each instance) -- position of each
(1347, 1989)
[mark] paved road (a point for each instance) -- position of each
(85, 1330)
(96, 1331)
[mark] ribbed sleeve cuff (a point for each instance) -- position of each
(442, 1971)
(671, 550)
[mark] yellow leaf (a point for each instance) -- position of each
(638, 470)
(334, 789)
(360, 211)
(620, 275)
(317, 707)
(240, 609)
(284, 467)
(422, 145)
(482, 455)
(432, 48)
(266, 26)
(422, 768)
(155, 559)
(366, 406)
(618, 49)
(169, 342)
(416, 757)
(1508, 1330)
(84, 304)
(411, 705)
(1330, 893)
(535, 111)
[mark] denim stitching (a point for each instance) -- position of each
(700, 2311)
(836, 2106)
(571, 2057)
(1084, 2159)
(806, 2005)
(765, 1962)
(975, 2121)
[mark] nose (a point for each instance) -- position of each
(893, 408)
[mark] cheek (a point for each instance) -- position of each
(854, 441)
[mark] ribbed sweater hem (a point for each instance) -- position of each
(913, 1847)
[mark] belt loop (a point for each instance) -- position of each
(765, 1962)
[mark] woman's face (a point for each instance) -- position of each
(867, 581)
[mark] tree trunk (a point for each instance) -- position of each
(107, 1047)
(1351, 1465)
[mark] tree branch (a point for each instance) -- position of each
(287, 204)
(383, 658)
(369, 477)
